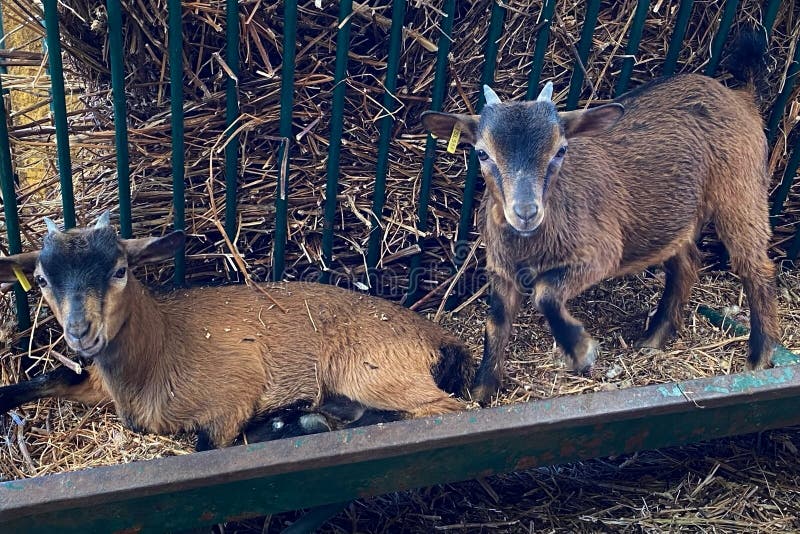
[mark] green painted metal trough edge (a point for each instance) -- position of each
(238, 482)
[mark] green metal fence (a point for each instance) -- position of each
(496, 20)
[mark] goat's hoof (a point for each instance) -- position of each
(482, 391)
(584, 356)
(646, 343)
(763, 363)
(658, 335)
(314, 423)
(656, 341)
(761, 358)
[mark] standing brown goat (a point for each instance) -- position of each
(640, 179)
(213, 359)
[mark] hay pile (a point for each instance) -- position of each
(58, 436)
(86, 56)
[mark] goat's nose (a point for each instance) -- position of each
(77, 329)
(526, 210)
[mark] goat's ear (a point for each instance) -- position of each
(591, 121)
(441, 125)
(25, 261)
(153, 249)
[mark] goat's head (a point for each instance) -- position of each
(521, 146)
(83, 274)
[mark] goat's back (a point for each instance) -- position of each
(685, 146)
(328, 340)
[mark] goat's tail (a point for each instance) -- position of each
(455, 369)
(748, 58)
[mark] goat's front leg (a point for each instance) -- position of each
(62, 383)
(504, 303)
(552, 289)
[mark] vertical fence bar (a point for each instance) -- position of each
(676, 41)
(632, 48)
(337, 125)
(728, 15)
(770, 14)
(176, 105)
(10, 210)
(487, 78)
(585, 45)
(287, 103)
(389, 105)
(786, 183)
(539, 50)
(3, 69)
(120, 115)
(231, 114)
(437, 98)
(794, 249)
(59, 106)
(779, 106)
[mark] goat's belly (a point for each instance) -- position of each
(646, 251)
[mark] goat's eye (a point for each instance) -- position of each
(40, 281)
(561, 151)
(120, 273)
(482, 155)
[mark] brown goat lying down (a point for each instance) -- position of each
(213, 359)
(573, 198)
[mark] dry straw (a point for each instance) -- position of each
(53, 436)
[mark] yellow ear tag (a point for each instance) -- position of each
(453, 142)
(23, 280)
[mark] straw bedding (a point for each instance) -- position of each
(740, 485)
(718, 486)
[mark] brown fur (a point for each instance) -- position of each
(686, 151)
(211, 359)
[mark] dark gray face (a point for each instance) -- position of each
(79, 260)
(521, 146)
(82, 274)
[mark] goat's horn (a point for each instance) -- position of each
(52, 228)
(490, 96)
(547, 93)
(104, 220)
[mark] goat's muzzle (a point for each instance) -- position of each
(524, 217)
(90, 342)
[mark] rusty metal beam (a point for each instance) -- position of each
(245, 481)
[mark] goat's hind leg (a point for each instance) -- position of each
(296, 420)
(756, 271)
(413, 394)
(764, 327)
(681, 275)
(288, 422)
(744, 229)
(351, 414)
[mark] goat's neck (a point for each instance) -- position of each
(135, 358)
(541, 251)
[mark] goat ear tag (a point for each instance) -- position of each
(453, 142)
(22, 279)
